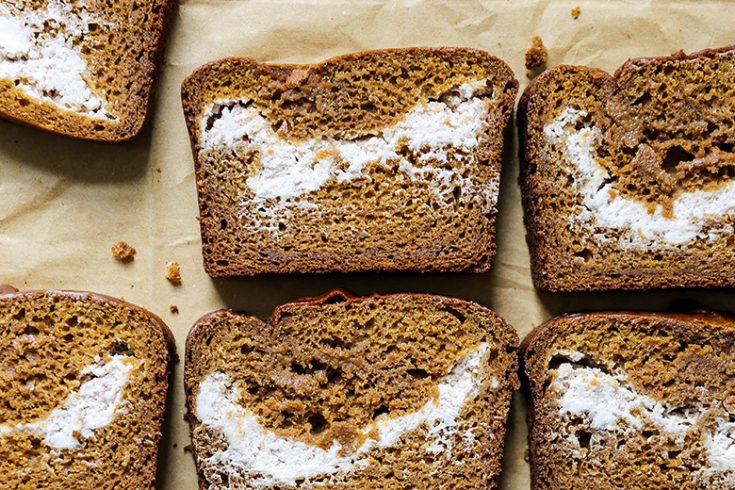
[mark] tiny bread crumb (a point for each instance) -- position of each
(123, 252)
(576, 11)
(173, 273)
(536, 57)
(174, 309)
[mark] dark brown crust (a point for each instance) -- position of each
(83, 128)
(544, 277)
(192, 97)
(9, 292)
(201, 328)
(560, 325)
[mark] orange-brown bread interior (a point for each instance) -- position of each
(122, 50)
(46, 341)
(667, 127)
(321, 370)
(684, 362)
(381, 221)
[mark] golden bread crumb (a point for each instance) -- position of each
(123, 252)
(536, 56)
(173, 273)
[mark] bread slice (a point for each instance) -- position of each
(81, 68)
(398, 391)
(83, 381)
(377, 161)
(629, 180)
(632, 400)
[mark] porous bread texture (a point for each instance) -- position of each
(347, 392)
(632, 400)
(83, 381)
(385, 160)
(628, 181)
(83, 68)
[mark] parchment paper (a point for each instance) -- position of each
(66, 202)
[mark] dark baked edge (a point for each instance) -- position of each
(527, 118)
(559, 326)
(202, 327)
(191, 96)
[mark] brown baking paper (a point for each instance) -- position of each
(67, 202)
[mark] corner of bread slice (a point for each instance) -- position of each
(67, 70)
(620, 397)
(340, 391)
(358, 163)
(85, 379)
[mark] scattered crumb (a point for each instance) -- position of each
(576, 11)
(176, 445)
(123, 252)
(536, 57)
(173, 273)
(174, 309)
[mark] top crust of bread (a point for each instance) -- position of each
(651, 165)
(121, 45)
(354, 99)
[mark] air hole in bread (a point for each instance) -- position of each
(583, 437)
(584, 254)
(456, 314)
(674, 156)
(383, 409)
(559, 359)
(318, 423)
(643, 99)
(418, 373)
(121, 348)
(298, 369)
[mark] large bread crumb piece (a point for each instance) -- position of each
(536, 56)
(173, 273)
(123, 252)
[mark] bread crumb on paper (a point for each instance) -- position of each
(173, 309)
(576, 11)
(536, 57)
(173, 273)
(123, 252)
